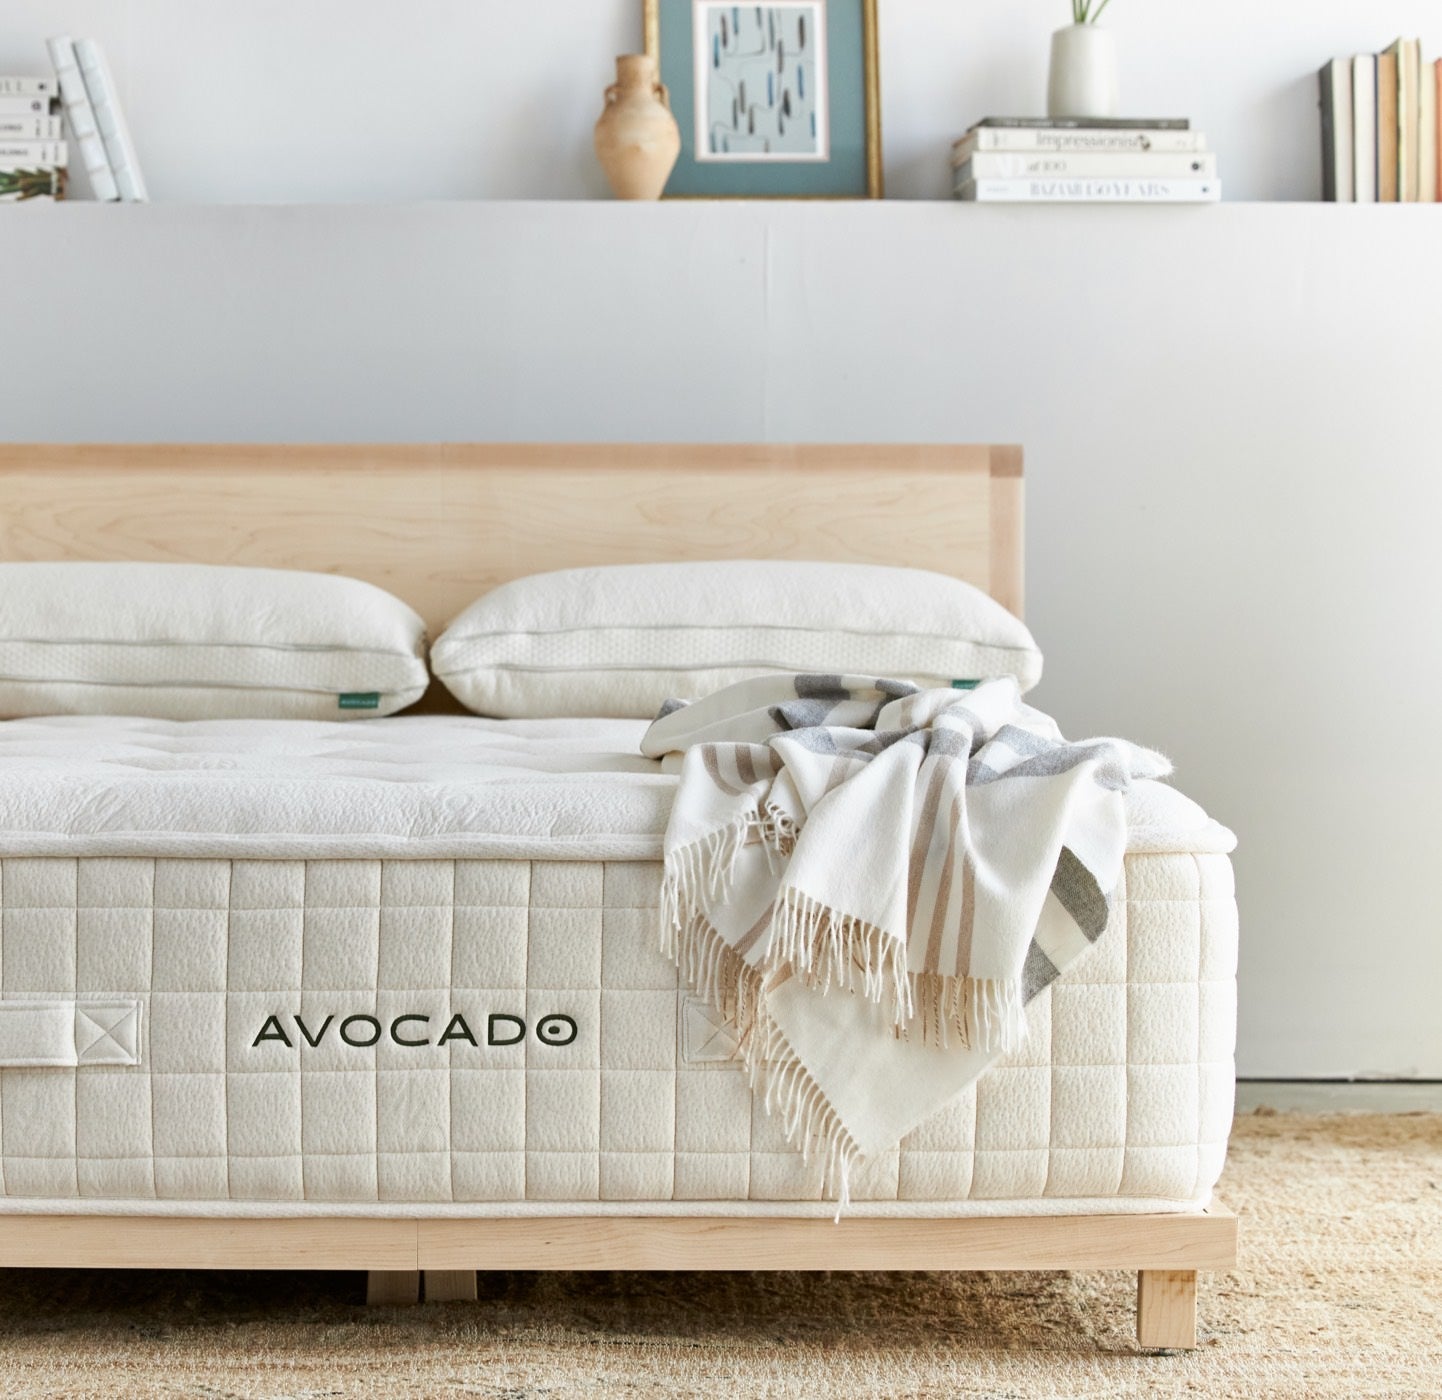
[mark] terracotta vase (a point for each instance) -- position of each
(637, 140)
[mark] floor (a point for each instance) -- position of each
(1338, 1293)
(1339, 1096)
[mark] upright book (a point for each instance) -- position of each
(1427, 182)
(1406, 54)
(1338, 156)
(1364, 127)
(1388, 126)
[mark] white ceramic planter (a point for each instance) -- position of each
(1083, 81)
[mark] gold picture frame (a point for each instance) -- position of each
(871, 51)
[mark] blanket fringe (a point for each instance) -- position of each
(824, 948)
(827, 949)
(775, 1072)
(987, 1013)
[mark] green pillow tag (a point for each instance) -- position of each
(360, 700)
(965, 685)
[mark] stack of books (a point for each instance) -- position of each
(33, 155)
(1124, 160)
(1381, 140)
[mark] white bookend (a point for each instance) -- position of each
(1364, 127)
(27, 87)
(1062, 191)
(1076, 140)
(1017, 165)
(36, 153)
(31, 128)
(82, 119)
(1427, 191)
(100, 87)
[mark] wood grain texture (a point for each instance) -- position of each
(174, 1242)
(1205, 1240)
(1167, 1308)
(450, 1285)
(393, 1288)
(440, 524)
(1200, 1241)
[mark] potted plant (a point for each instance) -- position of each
(1083, 80)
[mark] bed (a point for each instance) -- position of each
(437, 1034)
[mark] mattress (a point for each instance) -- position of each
(412, 967)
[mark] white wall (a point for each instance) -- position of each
(1229, 417)
(237, 101)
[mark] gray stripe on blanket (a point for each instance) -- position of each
(1080, 895)
(1060, 759)
(1038, 972)
(821, 688)
(802, 714)
(817, 739)
(669, 707)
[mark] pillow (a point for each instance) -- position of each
(201, 641)
(620, 641)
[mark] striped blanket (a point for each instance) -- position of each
(869, 881)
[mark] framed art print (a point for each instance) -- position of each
(774, 101)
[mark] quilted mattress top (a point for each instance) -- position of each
(422, 786)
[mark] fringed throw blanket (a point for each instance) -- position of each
(869, 881)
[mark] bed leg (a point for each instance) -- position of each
(392, 1288)
(1167, 1308)
(450, 1285)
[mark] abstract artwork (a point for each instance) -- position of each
(761, 81)
(778, 101)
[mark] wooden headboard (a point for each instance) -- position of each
(440, 524)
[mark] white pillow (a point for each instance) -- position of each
(620, 641)
(202, 641)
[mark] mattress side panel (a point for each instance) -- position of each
(354, 1032)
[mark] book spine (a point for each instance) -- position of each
(25, 107)
(1409, 80)
(1329, 136)
(34, 153)
(1364, 127)
(1338, 175)
(19, 185)
(1010, 165)
(1078, 142)
(1388, 127)
(82, 119)
(31, 128)
(1085, 123)
(1091, 191)
(1437, 71)
(119, 150)
(1427, 137)
(27, 87)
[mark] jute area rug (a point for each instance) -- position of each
(1339, 1293)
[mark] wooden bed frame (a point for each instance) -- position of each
(438, 525)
